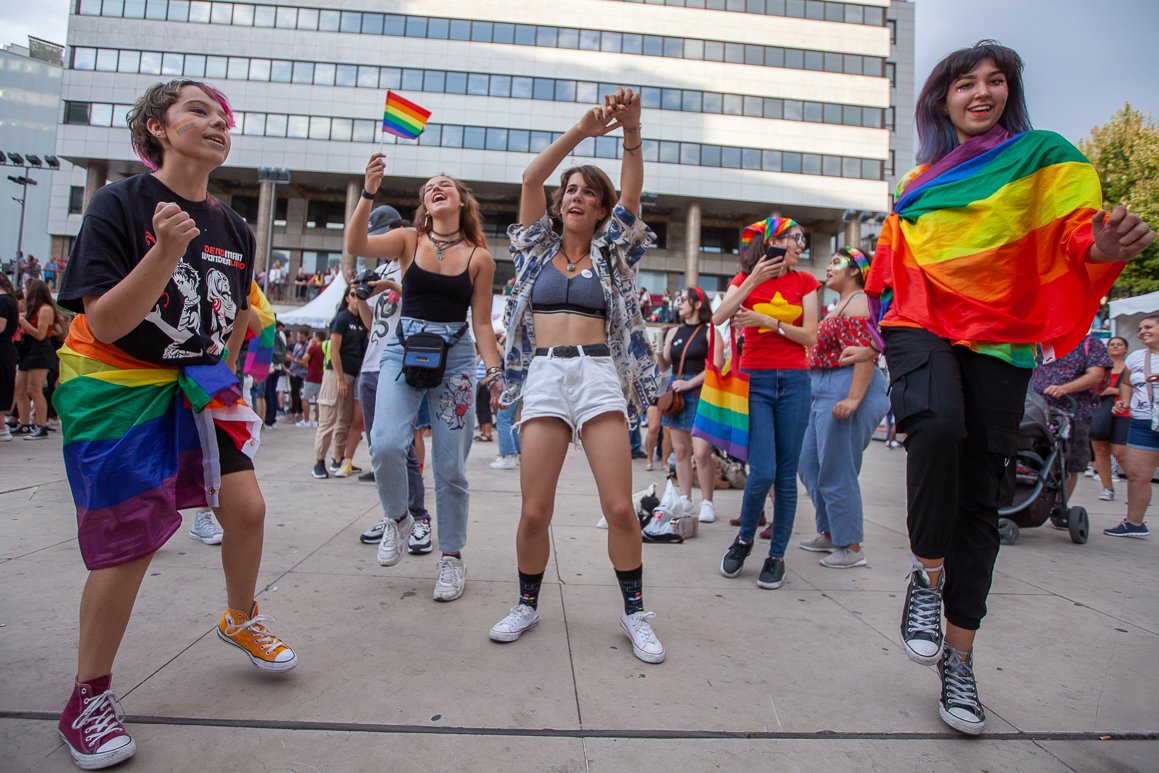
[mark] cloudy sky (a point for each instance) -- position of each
(1083, 59)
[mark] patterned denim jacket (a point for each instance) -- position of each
(614, 252)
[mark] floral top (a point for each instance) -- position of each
(614, 252)
(833, 335)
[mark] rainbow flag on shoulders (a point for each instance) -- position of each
(722, 415)
(989, 244)
(403, 118)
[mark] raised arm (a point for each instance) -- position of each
(1118, 235)
(390, 245)
(626, 105)
(595, 122)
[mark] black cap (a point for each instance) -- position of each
(382, 219)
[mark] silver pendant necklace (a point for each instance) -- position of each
(571, 264)
(441, 245)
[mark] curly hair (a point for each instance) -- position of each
(470, 219)
(936, 133)
(595, 178)
(154, 103)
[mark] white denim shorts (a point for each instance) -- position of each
(572, 389)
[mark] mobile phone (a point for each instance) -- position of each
(772, 252)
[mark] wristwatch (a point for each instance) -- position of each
(367, 194)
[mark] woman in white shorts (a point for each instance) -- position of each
(578, 354)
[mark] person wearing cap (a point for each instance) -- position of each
(848, 403)
(380, 312)
(776, 308)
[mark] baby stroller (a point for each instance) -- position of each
(1040, 474)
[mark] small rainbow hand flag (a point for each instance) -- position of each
(403, 118)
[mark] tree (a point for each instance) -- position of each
(1125, 151)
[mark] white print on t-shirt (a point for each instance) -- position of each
(224, 309)
(186, 279)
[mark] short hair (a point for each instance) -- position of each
(936, 133)
(594, 177)
(470, 219)
(154, 103)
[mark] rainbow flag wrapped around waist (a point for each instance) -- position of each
(990, 244)
(722, 415)
(140, 443)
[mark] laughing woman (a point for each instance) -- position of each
(997, 244)
(446, 273)
(574, 328)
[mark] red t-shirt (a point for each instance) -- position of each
(783, 299)
(314, 365)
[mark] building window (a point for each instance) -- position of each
(325, 214)
(76, 198)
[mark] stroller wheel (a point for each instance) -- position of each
(1078, 524)
(1008, 532)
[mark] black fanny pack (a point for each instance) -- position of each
(424, 357)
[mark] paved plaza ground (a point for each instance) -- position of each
(810, 677)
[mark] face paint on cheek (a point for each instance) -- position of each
(184, 126)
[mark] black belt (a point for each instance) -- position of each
(590, 350)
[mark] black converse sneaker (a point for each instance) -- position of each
(772, 574)
(960, 706)
(921, 618)
(733, 560)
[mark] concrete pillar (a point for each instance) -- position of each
(353, 192)
(853, 232)
(692, 245)
(264, 228)
(96, 175)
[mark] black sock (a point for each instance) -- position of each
(632, 587)
(529, 585)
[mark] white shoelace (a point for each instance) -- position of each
(925, 611)
(449, 572)
(265, 640)
(420, 532)
(518, 615)
(102, 715)
(961, 689)
(641, 626)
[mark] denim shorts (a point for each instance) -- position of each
(572, 389)
(1141, 436)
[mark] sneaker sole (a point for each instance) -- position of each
(367, 539)
(770, 585)
(261, 665)
(961, 725)
(437, 597)
(509, 636)
(1135, 536)
(206, 540)
(861, 562)
(421, 550)
(99, 761)
(319, 477)
(733, 575)
(647, 657)
(924, 660)
(812, 549)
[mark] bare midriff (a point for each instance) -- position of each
(568, 330)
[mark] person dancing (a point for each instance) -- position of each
(578, 352)
(447, 273)
(997, 243)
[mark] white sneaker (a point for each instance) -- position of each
(451, 580)
(707, 511)
(509, 462)
(5, 433)
(420, 538)
(302, 423)
(519, 620)
(205, 529)
(683, 507)
(1107, 495)
(638, 628)
(394, 537)
(314, 424)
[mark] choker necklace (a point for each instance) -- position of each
(446, 235)
(441, 246)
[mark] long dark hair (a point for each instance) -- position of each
(6, 285)
(936, 134)
(696, 295)
(37, 295)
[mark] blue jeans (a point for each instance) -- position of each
(778, 414)
(452, 412)
(367, 400)
(504, 428)
(831, 455)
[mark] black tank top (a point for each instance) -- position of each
(696, 343)
(435, 297)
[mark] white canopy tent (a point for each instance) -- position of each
(1127, 312)
(318, 312)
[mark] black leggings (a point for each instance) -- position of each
(960, 411)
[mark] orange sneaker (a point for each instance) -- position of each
(249, 635)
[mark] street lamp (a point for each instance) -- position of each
(29, 161)
(271, 176)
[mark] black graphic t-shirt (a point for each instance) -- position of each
(191, 321)
(349, 326)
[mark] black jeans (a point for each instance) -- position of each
(960, 411)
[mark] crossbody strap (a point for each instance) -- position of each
(684, 351)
